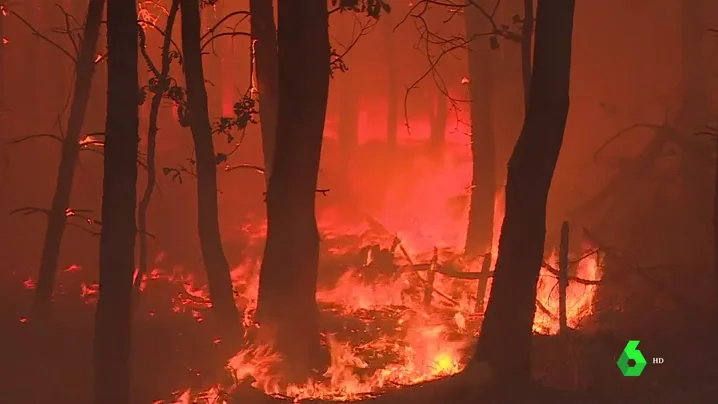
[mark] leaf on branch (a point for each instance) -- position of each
(175, 173)
(220, 158)
(244, 113)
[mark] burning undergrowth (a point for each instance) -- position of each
(384, 323)
(399, 303)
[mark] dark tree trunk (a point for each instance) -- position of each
(505, 339)
(215, 262)
(715, 222)
(287, 304)
(480, 229)
(264, 33)
(162, 83)
(68, 161)
(113, 319)
(527, 32)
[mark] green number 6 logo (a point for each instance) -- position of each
(631, 352)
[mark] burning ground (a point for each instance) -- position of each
(383, 324)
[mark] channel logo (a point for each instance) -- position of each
(632, 363)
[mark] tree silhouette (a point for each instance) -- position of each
(264, 39)
(480, 227)
(215, 261)
(505, 338)
(113, 318)
(57, 216)
(287, 285)
(159, 87)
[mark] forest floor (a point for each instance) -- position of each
(175, 351)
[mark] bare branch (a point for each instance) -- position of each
(29, 210)
(143, 50)
(256, 168)
(620, 133)
(215, 27)
(220, 35)
(436, 46)
(362, 27)
(162, 32)
(35, 136)
(69, 30)
(42, 36)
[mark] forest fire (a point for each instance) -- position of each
(379, 331)
(379, 201)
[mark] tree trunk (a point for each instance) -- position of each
(215, 262)
(527, 32)
(113, 318)
(392, 117)
(287, 304)
(264, 33)
(480, 229)
(439, 116)
(152, 142)
(32, 81)
(715, 223)
(348, 130)
(505, 339)
(68, 161)
(3, 107)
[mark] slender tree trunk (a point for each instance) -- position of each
(439, 116)
(287, 304)
(215, 262)
(68, 161)
(392, 117)
(479, 233)
(348, 131)
(3, 107)
(30, 57)
(152, 142)
(113, 319)
(264, 35)
(527, 33)
(715, 223)
(505, 339)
